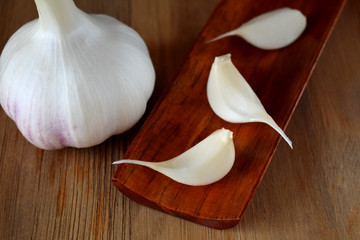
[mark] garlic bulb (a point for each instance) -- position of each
(271, 30)
(232, 98)
(73, 79)
(205, 163)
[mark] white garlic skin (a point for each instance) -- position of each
(76, 79)
(207, 162)
(232, 99)
(272, 30)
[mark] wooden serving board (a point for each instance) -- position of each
(182, 117)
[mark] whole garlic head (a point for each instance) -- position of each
(73, 79)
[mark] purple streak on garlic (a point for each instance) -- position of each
(272, 30)
(73, 79)
(205, 163)
(232, 98)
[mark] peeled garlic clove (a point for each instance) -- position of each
(73, 79)
(205, 163)
(271, 30)
(232, 98)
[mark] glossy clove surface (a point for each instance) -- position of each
(205, 163)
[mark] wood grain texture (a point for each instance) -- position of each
(311, 192)
(183, 117)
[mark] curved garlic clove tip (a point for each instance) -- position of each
(205, 163)
(272, 30)
(270, 121)
(232, 98)
(228, 34)
(73, 79)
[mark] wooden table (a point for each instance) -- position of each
(311, 192)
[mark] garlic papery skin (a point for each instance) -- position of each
(272, 30)
(232, 98)
(205, 163)
(73, 79)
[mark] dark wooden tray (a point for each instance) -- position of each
(183, 117)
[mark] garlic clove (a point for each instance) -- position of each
(205, 163)
(232, 98)
(272, 30)
(74, 79)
